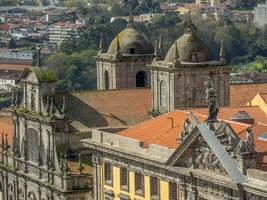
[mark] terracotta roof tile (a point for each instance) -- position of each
(264, 96)
(111, 108)
(228, 112)
(6, 127)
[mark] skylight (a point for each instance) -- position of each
(263, 136)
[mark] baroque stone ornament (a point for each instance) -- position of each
(248, 145)
(212, 102)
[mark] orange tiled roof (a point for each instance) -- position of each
(160, 131)
(6, 127)
(228, 112)
(18, 67)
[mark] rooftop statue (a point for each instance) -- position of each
(212, 102)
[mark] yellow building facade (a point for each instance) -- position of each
(117, 189)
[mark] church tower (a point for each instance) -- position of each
(124, 64)
(178, 80)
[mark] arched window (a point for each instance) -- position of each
(141, 79)
(106, 80)
(32, 145)
(163, 94)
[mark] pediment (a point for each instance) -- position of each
(211, 148)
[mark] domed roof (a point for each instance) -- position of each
(190, 49)
(131, 42)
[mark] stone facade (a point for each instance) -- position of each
(36, 165)
(124, 65)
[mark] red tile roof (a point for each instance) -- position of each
(18, 67)
(6, 127)
(228, 112)
(264, 96)
(160, 130)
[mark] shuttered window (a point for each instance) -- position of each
(124, 178)
(32, 145)
(173, 191)
(163, 94)
(154, 186)
(139, 183)
(108, 173)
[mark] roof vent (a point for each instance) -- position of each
(263, 136)
(243, 117)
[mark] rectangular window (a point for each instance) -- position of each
(139, 183)
(154, 186)
(108, 173)
(124, 178)
(173, 191)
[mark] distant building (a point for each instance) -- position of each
(16, 56)
(62, 31)
(250, 77)
(9, 79)
(260, 18)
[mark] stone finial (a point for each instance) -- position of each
(101, 44)
(131, 19)
(222, 52)
(38, 51)
(63, 110)
(52, 107)
(212, 102)
(7, 146)
(81, 168)
(3, 141)
(176, 55)
(189, 25)
(156, 51)
(160, 45)
(118, 48)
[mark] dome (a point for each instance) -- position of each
(190, 49)
(131, 42)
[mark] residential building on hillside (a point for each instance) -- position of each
(62, 31)
(260, 15)
(9, 79)
(17, 56)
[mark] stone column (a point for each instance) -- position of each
(97, 176)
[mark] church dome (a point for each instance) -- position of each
(131, 42)
(190, 49)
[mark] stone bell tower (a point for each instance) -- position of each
(124, 64)
(178, 80)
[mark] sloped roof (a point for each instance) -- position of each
(111, 108)
(160, 130)
(43, 74)
(228, 112)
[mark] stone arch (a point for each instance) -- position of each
(32, 145)
(106, 76)
(10, 194)
(163, 94)
(31, 195)
(21, 194)
(141, 79)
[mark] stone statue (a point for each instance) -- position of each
(247, 146)
(212, 102)
(185, 130)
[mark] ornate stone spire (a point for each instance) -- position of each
(7, 146)
(118, 48)
(3, 141)
(131, 19)
(156, 52)
(222, 52)
(101, 44)
(38, 51)
(63, 110)
(160, 45)
(52, 107)
(176, 55)
(81, 168)
(189, 25)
